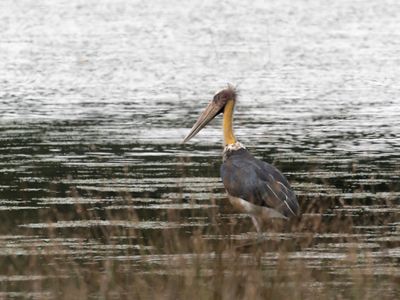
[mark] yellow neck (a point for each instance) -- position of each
(229, 137)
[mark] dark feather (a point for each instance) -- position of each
(260, 183)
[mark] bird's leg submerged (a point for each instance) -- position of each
(256, 224)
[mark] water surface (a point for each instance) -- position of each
(96, 96)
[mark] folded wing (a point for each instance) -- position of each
(259, 183)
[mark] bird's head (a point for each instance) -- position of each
(214, 108)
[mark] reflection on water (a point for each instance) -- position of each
(95, 98)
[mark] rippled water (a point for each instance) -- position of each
(96, 96)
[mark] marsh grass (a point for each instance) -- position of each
(212, 253)
(224, 259)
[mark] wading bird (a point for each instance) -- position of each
(253, 186)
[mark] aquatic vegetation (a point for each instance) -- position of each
(99, 199)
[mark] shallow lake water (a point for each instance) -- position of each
(96, 97)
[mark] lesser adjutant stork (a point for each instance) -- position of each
(253, 186)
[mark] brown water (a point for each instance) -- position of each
(96, 96)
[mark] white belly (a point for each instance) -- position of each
(254, 210)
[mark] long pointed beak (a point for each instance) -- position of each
(208, 114)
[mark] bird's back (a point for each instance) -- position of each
(257, 182)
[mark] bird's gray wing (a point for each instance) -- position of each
(260, 183)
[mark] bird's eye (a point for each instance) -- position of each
(217, 98)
